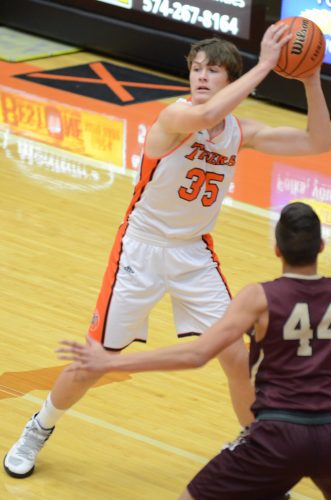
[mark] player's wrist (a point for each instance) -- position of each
(264, 66)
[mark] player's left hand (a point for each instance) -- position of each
(90, 356)
(314, 77)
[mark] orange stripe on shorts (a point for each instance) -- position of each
(98, 325)
(207, 238)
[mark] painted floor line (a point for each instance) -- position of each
(142, 438)
(267, 213)
(125, 432)
(251, 209)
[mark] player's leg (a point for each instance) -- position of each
(321, 467)
(187, 496)
(234, 361)
(121, 317)
(69, 388)
(20, 460)
(265, 465)
(324, 485)
(200, 297)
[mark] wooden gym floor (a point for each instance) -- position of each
(63, 192)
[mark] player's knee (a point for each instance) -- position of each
(84, 377)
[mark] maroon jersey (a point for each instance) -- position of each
(294, 370)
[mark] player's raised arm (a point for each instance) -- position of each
(183, 119)
(285, 140)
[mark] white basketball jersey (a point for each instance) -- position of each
(179, 195)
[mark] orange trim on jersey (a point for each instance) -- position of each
(97, 328)
(241, 132)
(171, 150)
(207, 238)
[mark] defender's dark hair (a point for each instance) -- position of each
(219, 53)
(298, 234)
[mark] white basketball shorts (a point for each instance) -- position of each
(140, 273)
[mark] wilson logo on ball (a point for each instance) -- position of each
(300, 39)
(304, 53)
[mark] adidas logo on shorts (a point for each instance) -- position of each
(128, 269)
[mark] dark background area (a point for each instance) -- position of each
(149, 40)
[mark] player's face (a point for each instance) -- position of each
(206, 80)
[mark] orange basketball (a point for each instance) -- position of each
(304, 52)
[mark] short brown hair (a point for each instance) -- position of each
(298, 234)
(219, 53)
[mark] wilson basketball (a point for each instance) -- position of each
(302, 55)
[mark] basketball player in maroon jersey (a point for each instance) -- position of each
(164, 244)
(291, 436)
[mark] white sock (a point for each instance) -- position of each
(49, 415)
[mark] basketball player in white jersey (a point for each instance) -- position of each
(163, 245)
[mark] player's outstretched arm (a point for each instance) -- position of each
(243, 312)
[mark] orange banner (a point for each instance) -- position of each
(89, 134)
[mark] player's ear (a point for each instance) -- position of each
(277, 251)
(322, 246)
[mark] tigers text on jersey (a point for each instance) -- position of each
(295, 371)
(179, 195)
